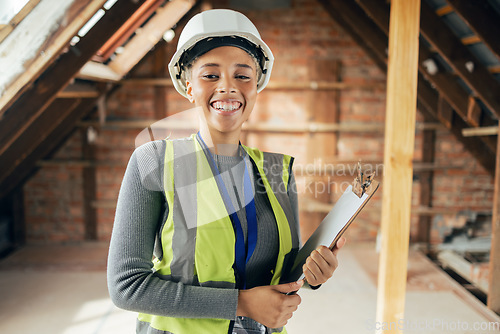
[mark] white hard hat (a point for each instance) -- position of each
(214, 28)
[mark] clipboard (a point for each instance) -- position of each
(340, 217)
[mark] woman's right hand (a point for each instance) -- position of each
(270, 305)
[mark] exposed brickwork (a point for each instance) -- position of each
(298, 37)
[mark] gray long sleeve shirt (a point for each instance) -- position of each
(140, 213)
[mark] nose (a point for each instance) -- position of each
(226, 85)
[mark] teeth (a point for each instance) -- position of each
(226, 106)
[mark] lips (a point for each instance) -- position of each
(228, 107)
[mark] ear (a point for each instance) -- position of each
(189, 91)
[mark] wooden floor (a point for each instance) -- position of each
(62, 290)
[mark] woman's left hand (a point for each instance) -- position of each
(321, 264)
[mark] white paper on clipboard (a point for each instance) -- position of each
(332, 227)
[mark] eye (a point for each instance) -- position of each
(210, 76)
(242, 77)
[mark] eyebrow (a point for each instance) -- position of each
(217, 65)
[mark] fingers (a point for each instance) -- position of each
(321, 264)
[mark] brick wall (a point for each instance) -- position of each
(299, 36)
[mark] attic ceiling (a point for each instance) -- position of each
(41, 102)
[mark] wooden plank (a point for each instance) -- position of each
(440, 36)
(445, 10)
(482, 18)
(38, 53)
(484, 131)
(74, 91)
(26, 164)
(146, 38)
(5, 30)
(469, 271)
(469, 40)
(127, 29)
(494, 277)
(32, 104)
(473, 112)
(445, 113)
(401, 111)
(98, 72)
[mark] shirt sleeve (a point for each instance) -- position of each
(132, 283)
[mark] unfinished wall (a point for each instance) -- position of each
(304, 40)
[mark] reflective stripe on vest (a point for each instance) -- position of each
(198, 240)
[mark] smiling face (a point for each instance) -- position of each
(223, 84)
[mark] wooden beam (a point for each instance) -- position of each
(426, 186)
(33, 46)
(445, 113)
(67, 115)
(448, 87)
(98, 72)
(401, 112)
(7, 29)
(32, 104)
(127, 29)
(442, 38)
(494, 276)
(36, 132)
(74, 91)
(445, 82)
(89, 176)
(356, 23)
(146, 38)
(484, 131)
(474, 112)
(469, 40)
(444, 10)
(482, 19)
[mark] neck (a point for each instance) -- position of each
(221, 143)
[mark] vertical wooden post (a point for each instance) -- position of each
(398, 154)
(89, 188)
(494, 279)
(426, 177)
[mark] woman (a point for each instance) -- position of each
(220, 218)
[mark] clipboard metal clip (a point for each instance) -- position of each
(362, 181)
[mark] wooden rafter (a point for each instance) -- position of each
(482, 19)
(7, 29)
(445, 82)
(150, 34)
(445, 42)
(67, 112)
(364, 32)
(127, 29)
(38, 53)
(355, 25)
(28, 111)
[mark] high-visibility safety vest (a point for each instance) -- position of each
(198, 240)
